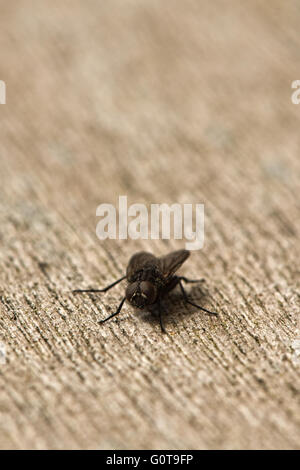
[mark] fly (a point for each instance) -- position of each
(149, 279)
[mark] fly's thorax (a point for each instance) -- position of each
(141, 293)
(147, 273)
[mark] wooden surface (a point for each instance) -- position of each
(185, 102)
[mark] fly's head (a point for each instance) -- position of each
(141, 294)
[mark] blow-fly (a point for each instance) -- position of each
(149, 279)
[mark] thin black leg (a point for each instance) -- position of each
(192, 303)
(160, 317)
(185, 279)
(76, 291)
(116, 313)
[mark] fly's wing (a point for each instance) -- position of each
(171, 262)
(139, 261)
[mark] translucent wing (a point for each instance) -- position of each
(171, 262)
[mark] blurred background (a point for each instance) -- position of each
(171, 102)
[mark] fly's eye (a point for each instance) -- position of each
(148, 291)
(134, 295)
(131, 291)
(140, 294)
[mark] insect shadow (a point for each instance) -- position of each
(174, 305)
(150, 279)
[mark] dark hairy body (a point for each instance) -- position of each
(149, 279)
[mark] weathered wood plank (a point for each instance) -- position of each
(162, 104)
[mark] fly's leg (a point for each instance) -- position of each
(192, 303)
(160, 316)
(116, 313)
(187, 280)
(105, 289)
(191, 281)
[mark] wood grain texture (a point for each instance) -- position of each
(162, 102)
